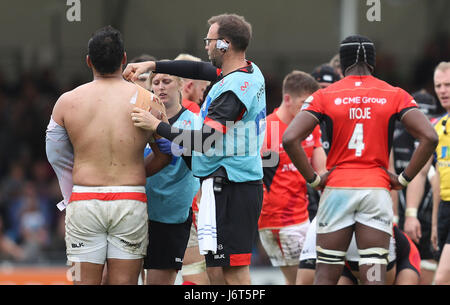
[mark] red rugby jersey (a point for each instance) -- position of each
(285, 199)
(191, 106)
(360, 113)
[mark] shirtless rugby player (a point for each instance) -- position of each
(106, 218)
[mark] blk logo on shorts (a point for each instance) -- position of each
(131, 245)
(79, 245)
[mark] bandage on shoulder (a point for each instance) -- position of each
(373, 256)
(145, 100)
(334, 257)
(148, 101)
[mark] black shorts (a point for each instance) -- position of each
(238, 206)
(347, 272)
(167, 244)
(313, 201)
(408, 256)
(443, 225)
(309, 263)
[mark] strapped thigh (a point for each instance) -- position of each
(374, 255)
(194, 268)
(333, 257)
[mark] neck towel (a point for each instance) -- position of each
(207, 234)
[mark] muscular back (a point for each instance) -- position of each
(108, 149)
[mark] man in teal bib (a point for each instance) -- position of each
(226, 151)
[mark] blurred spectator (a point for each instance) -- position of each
(29, 215)
(11, 185)
(8, 248)
(47, 84)
(42, 176)
(4, 132)
(33, 230)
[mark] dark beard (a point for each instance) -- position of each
(216, 62)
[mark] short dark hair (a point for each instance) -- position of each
(105, 49)
(233, 28)
(297, 83)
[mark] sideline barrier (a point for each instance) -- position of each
(35, 275)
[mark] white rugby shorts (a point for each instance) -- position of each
(284, 245)
(342, 207)
(309, 246)
(193, 237)
(106, 222)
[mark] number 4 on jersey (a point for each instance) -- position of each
(357, 140)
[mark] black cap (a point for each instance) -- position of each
(427, 103)
(325, 74)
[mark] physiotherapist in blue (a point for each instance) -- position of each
(226, 150)
(170, 192)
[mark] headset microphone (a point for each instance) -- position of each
(222, 45)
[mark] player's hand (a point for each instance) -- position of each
(144, 119)
(324, 178)
(134, 70)
(413, 229)
(395, 185)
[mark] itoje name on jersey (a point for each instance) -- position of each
(360, 113)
